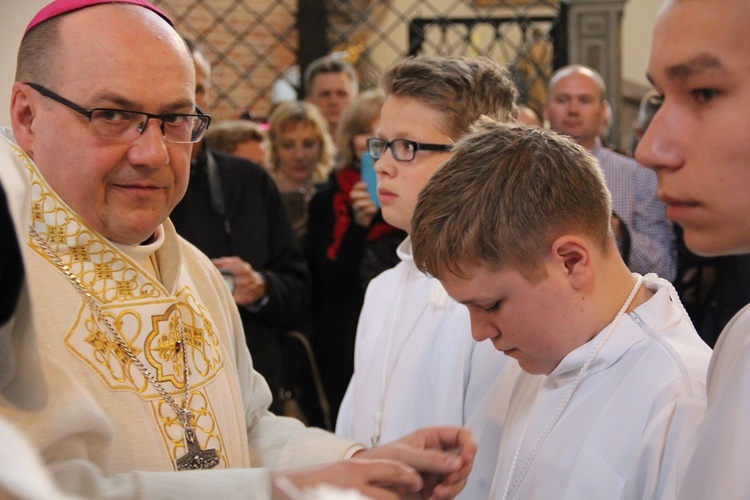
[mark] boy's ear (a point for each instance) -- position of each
(573, 254)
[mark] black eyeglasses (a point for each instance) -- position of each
(401, 149)
(122, 124)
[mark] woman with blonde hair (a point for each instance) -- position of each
(301, 156)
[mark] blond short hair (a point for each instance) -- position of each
(289, 113)
(462, 89)
(506, 193)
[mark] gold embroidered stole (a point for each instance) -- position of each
(142, 311)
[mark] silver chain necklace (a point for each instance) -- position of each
(195, 457)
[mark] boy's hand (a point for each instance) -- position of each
(443, 455)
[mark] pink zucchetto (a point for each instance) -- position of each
(60, 7)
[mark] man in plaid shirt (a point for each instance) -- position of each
(645, 237)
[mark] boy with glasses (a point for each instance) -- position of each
(415, 363)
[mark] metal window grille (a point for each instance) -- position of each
(252, 44)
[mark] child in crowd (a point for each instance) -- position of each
(516, 227)
(414, 362)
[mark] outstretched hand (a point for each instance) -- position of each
(430, 463)
(377, 479)
(443, 455)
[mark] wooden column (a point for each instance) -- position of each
(594, 39)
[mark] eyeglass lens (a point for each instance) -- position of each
(111, 123)
(401, 149)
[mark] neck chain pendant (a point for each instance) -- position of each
(196, 457)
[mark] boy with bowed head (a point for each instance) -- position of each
(515, 225)
(141, 373)
(414, 361)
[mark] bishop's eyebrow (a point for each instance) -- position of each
(698, 64)
(180, 105)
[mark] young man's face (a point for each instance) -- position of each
(698, 142)
(331, 93)
(523, 320)
(399, 182)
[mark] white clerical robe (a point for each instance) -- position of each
(717, 457)
(416, 363)
(653, 358)
(22, 473)
(100, 427)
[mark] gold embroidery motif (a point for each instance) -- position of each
(165, 331)
(168, 345)
(103, 271)
(125, 289)
(79, 253)
(140, 310)
(110, 356)
(200, 336)
(56, 235)
(160, 352)
(37, 214)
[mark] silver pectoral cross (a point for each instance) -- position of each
(196, 457)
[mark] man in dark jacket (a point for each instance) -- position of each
(233, 213)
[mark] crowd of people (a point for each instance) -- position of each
(195, 306)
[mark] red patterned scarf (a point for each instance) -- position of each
(346, 178)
